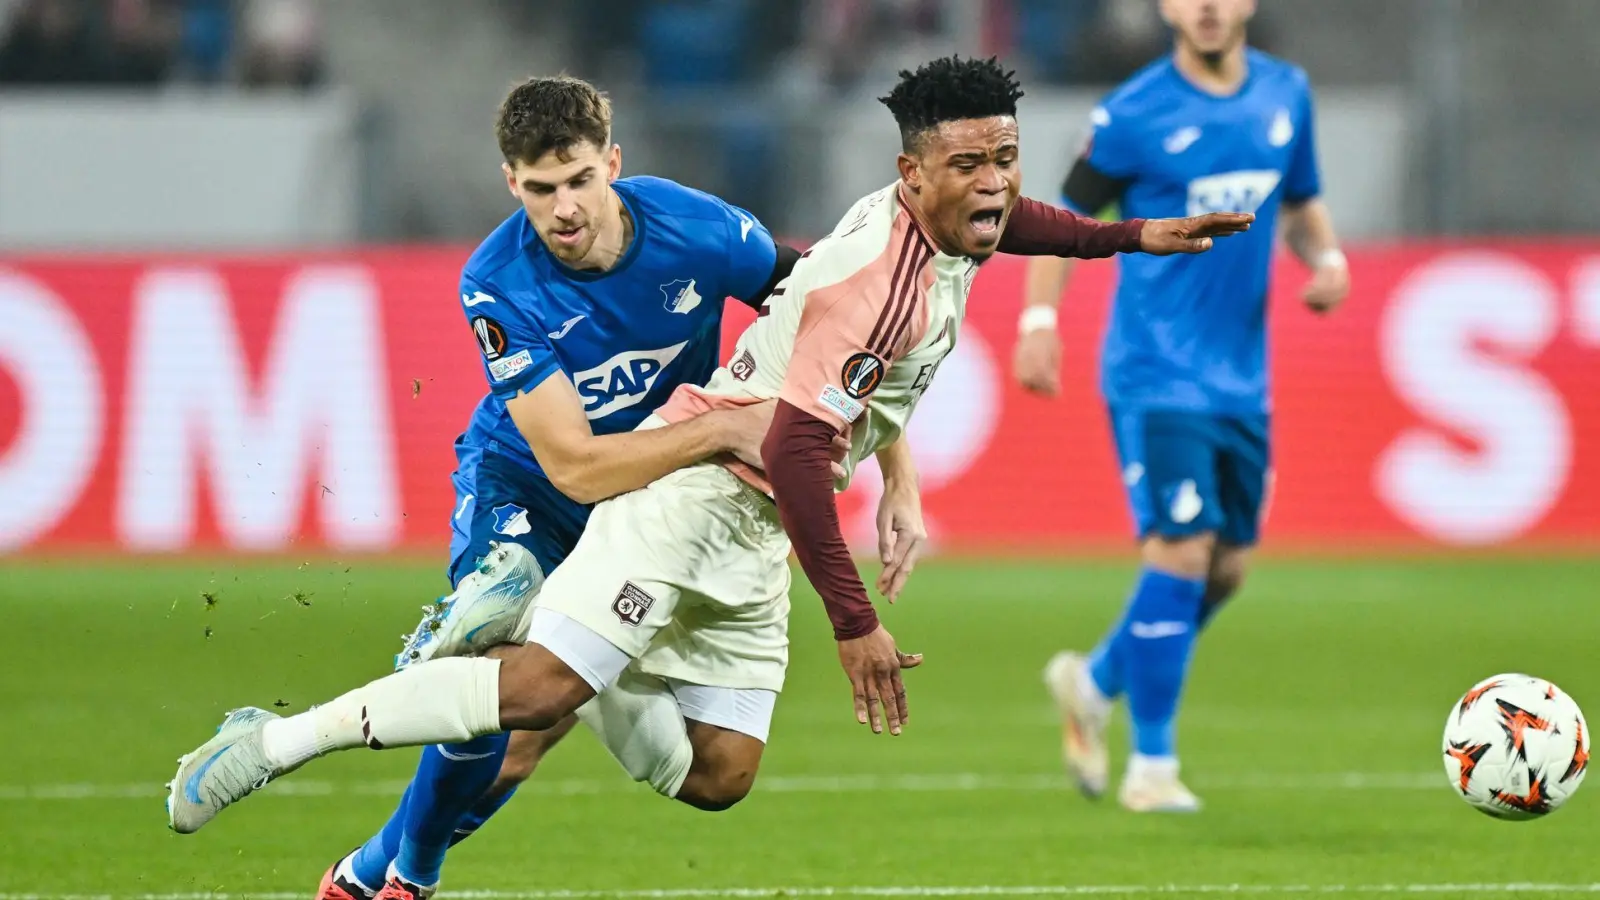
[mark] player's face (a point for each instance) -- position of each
(568, 200)
(967, 176)
(1209, 27)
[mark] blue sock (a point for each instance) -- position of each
(370, 862)
(1153, 644)
(1107, 667)
(444, 789)
(479, 814)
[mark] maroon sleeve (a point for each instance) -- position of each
(799, 468)
(1039, 229)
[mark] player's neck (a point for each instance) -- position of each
(611, 244)
(1220, 75)
(913, 205)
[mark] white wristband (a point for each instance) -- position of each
(1037, 318)
(1332, 257)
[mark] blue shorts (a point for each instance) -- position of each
(1191, 473)
(498, 499)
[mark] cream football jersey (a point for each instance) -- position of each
(853, 336)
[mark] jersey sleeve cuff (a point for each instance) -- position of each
(522, 371)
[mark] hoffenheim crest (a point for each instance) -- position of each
(511, 520)
(681, 296)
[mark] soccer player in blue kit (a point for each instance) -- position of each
(589, 307)
(1216, 126)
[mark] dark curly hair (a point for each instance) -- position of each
(947, 90)
(555, 113)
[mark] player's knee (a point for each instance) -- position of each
(537, 689)
(1186, 557)
(724, 767)
(717, 790)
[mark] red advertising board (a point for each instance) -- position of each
(269, 403)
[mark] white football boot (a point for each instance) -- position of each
(1083, 721)
(227, 768)
(490, 606)
(1154, 787)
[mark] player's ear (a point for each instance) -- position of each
(614, 163)
(511, 178)
(910, 171)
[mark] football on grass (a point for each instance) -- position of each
(1516, 746)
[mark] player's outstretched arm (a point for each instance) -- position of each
(589, 468)
(1039, 229)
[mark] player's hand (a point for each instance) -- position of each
(748, 428)
(1329, 285)
(902, 536)
(873, 664)
(1164, 237)
(1036, 362)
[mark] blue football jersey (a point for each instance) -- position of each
(1189, 332)
(626, 337)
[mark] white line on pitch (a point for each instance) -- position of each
(1060, 890)
(958, 782)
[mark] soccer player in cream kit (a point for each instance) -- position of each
(672, 609)
(1215, 126)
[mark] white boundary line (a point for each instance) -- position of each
(956, 782)
(1060, 890)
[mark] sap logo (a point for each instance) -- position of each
(623, 380)
(1232, 191)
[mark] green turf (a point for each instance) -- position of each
(1322, 669)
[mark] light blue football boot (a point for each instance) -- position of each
(490, 606)
(227, 768)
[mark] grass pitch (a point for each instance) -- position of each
(1311, 730)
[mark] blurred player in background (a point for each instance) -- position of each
(1215, 126)
(589, 306)
(674, 603)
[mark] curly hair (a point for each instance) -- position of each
(551, 114)
(949, 89)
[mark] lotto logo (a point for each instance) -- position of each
(632, 604)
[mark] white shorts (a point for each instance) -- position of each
(689, 577)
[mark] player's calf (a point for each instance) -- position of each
(526, 751)
(1229, 564)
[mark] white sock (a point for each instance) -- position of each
(347, 871)
(393, 874)
(289, 742)
(638, 720)
(441, 701)
(1141, 766)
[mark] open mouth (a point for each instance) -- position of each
(567, 235)
(986, 222)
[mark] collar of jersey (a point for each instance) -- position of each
(627, 255)
(1250, 65)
